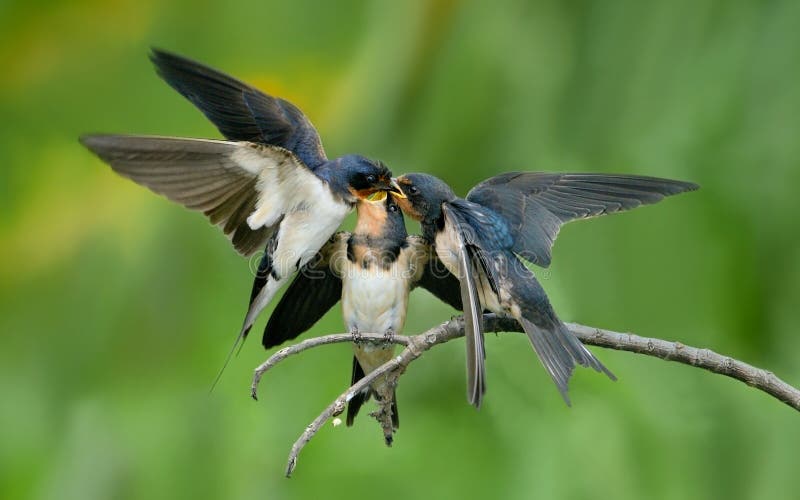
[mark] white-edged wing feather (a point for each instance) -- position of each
(242, 187)
(254, 192)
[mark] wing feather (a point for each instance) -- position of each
(431, 274)
(313, 292)
(536, 204)
(242, 187)
(473, 311)
(239, 111)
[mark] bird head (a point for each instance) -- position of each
(422, 196)
(365, 177)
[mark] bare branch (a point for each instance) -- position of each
(706, 359)
(410, 353)
(336, 338)
(417, 344)
(334, 409)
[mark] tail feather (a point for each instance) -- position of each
(560, 351)
(264, 288)
(260, 301)
(582, 355)
(262, 273)
(395, 415)
(556, 360)
(359, 399)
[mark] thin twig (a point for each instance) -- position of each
(706, 359)
(337, 407)
(315, 342)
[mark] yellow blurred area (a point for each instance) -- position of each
(44, 40)
(67, 214)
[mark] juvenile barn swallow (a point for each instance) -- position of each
(372, 270)
(516, 214)
(268, 185)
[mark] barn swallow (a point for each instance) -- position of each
(516, 214)
(269, 185)
(372, 270)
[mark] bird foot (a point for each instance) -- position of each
(388, 336)
(384, 418)
(356, 335)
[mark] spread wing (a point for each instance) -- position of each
(239, 111)
(313, 292)
(431, 274)
(469, 269)
(244, 188)
(536, 204)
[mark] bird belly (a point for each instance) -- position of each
(501, 301)
(490, 300)
(371, 356)
(374, 300)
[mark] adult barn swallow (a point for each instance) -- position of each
(372, 270)
(269, 185)
(516, 214)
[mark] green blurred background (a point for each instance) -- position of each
(117, 307)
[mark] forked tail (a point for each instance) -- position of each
(560, 351)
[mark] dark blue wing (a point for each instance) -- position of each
(484, 231)
(475, 233)
(485, 227)
(239, 111)
(433, 275)
(442, 284)
(536, 204)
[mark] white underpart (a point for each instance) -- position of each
(311, 214)
(285, 186)
(374, 300)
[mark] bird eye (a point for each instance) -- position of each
(393, 208)
(413, 189)
(371, 179)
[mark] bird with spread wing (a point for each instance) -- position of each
(481, 238)
(267, 185)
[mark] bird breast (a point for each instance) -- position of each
(374, 298)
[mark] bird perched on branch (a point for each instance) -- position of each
(516, 214)
(269, 185)
(372, 270)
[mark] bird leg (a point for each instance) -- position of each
(355, 334)
(388, 337)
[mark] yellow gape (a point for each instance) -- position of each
(377, 196)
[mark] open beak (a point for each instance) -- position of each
(377, 196)
(394, 188)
